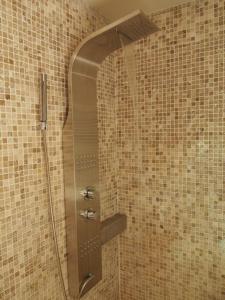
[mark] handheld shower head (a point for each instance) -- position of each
(43, 100)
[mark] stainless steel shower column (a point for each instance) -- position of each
(80, 147)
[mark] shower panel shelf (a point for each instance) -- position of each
(112, 227)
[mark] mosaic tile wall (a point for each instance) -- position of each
(171, 171)
(162, 157)
(38, 36)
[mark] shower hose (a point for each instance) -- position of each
(51, 213)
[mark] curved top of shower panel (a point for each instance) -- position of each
(97, 46)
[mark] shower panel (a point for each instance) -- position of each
(80, 148)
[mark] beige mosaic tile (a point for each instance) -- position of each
(35, 37)
(174, 194)
(163, 163)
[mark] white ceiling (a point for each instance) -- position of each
(114, 9)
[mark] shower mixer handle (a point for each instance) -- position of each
(88, 193)
(88, 214)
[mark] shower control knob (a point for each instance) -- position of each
(88, 193)
(91, 215)
(88, 214)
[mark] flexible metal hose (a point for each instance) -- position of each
(51, 213)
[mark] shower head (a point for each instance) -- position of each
(136, 26)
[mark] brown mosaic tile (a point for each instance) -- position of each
(35, 37)
(161, 153)
(171, 172)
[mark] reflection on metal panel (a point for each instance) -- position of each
(80, 148)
